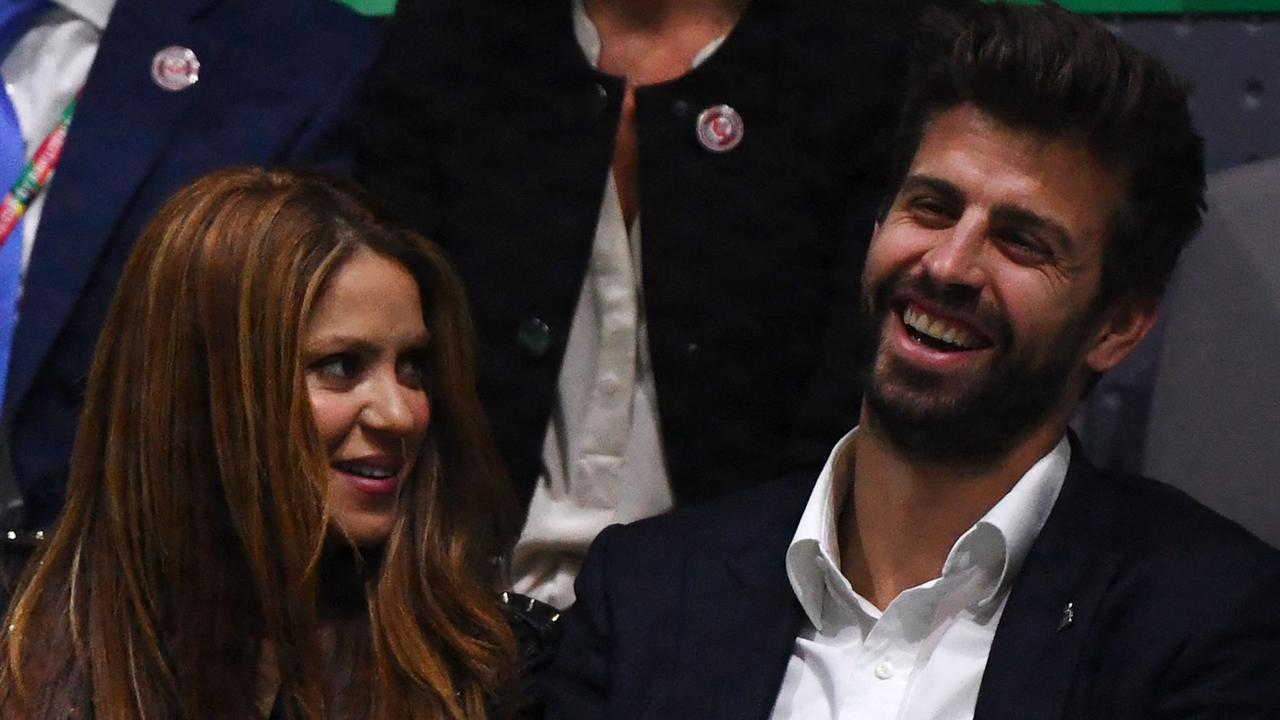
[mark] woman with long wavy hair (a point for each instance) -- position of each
(283, 499)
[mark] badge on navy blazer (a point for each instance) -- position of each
(175, 68)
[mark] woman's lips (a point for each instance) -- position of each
(372, 476)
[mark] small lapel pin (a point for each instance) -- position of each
(720, 128)
(175, 68)
(1068, 617)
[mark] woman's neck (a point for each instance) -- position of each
(344, 573)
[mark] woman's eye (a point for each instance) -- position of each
(413, 370)
(341, 366)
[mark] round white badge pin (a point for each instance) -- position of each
(175, 68)
(720, 128)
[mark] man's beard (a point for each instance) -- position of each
(973, 425)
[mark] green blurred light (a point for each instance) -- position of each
(1167, 6)
(370, 7)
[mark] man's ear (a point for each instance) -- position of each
(1124, 323)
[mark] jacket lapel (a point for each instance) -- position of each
(1052, 602)
(739, 626)
(122, 124)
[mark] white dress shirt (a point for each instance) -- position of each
(922, 658)
(42, 72)
(603, 449)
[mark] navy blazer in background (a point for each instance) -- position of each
(1175, 613)
(276, 80)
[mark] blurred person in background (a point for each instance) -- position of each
(655, 206)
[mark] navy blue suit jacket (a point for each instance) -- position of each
(1176, 613)
(276, 80)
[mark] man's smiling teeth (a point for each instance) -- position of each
(938, 329)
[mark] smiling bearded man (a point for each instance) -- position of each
(968, 385)
(976, 423)
(958, 557)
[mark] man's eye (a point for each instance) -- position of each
(1026, 246)
(341, 366)
(930, 211)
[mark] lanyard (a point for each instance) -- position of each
(36, 173)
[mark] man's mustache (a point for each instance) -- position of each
(963, 301)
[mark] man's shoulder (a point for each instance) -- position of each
(1178, 604)
(765, 514)
(731, 518)
(1178, 558)
(1159, 520)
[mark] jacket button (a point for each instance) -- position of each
(599, 100)
(534, 337)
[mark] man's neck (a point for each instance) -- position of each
(652, 42)
(656, 16)
(901, 517)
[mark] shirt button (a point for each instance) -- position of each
(599, 100)
(610, 383)
(615, 293)
(884, 669)
(534, 337)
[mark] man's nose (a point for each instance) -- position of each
(958, 256)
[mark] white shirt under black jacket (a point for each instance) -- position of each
(603, 448)
(922, 658)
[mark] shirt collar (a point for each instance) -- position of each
(1020, 515)
(96, 12)
(813, 551)
(585, 31)
(997, 544)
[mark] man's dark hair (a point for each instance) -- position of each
(1043, 69)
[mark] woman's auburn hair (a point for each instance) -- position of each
(196, 515)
